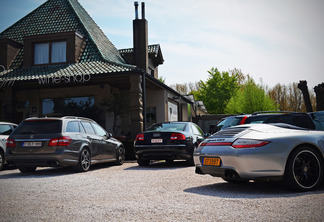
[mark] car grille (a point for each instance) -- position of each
(231, 132)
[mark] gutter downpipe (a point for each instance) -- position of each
(144, 98)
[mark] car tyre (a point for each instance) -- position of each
(84, 161)
(2, 160)
(190, 162)
(304, 170)
(120, 156)
(26, 169)
(143, 162)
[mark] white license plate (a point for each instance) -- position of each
(34, 144)
(156, 140)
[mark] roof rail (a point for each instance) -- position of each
(260, 112)
(76, 117)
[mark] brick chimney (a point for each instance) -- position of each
(140, 39)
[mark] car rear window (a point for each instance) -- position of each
(167, 127)
(258, 118)
(39, 127)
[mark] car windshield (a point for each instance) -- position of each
(318, 118)
(228, 122)
(5, 129)
(39, 127)
(167, 127)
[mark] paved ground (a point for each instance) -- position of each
(157, 193)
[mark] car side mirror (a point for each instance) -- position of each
(206, 135)
(109, 135)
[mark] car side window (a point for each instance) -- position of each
(73, 127)
(5, 130)
(88, 128)
(195, 130)
(100, 131)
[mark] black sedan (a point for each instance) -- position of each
(168, 141)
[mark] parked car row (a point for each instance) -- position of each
(289, 148)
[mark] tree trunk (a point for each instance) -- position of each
(302, 85)
(319, 90)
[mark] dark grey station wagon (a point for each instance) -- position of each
(66, 141)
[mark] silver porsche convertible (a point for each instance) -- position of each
(264, 152)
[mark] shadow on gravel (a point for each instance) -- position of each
(42, 172)
(161, 165)
(249, 190)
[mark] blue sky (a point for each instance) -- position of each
(278, 41)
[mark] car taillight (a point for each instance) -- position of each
(61, 141)
(249, 143)
(215, 144)
(10, 143)
(177, 136)
(139, 137)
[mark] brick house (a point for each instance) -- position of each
(56, 61)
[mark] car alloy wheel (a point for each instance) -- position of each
(2, 160)
(304, 170)
(84, 161)
(120, 155)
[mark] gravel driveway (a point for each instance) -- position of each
(159, 192)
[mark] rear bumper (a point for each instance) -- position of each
(43, 160)
(248, 164)
(163, 152)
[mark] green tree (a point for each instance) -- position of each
(249, 98)
(217, 90)
(162, 79)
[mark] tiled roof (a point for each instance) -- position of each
(57, 16)
(62, 71)
(106, 48)
(152, 49)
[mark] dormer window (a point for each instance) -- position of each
(51, 49)
(50, 53)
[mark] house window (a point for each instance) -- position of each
(50, 53)
(79, 106)
(41, 54)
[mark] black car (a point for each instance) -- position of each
(66, 141)
(168, 141)
(305, 120)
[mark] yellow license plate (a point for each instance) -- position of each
(211, 161)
